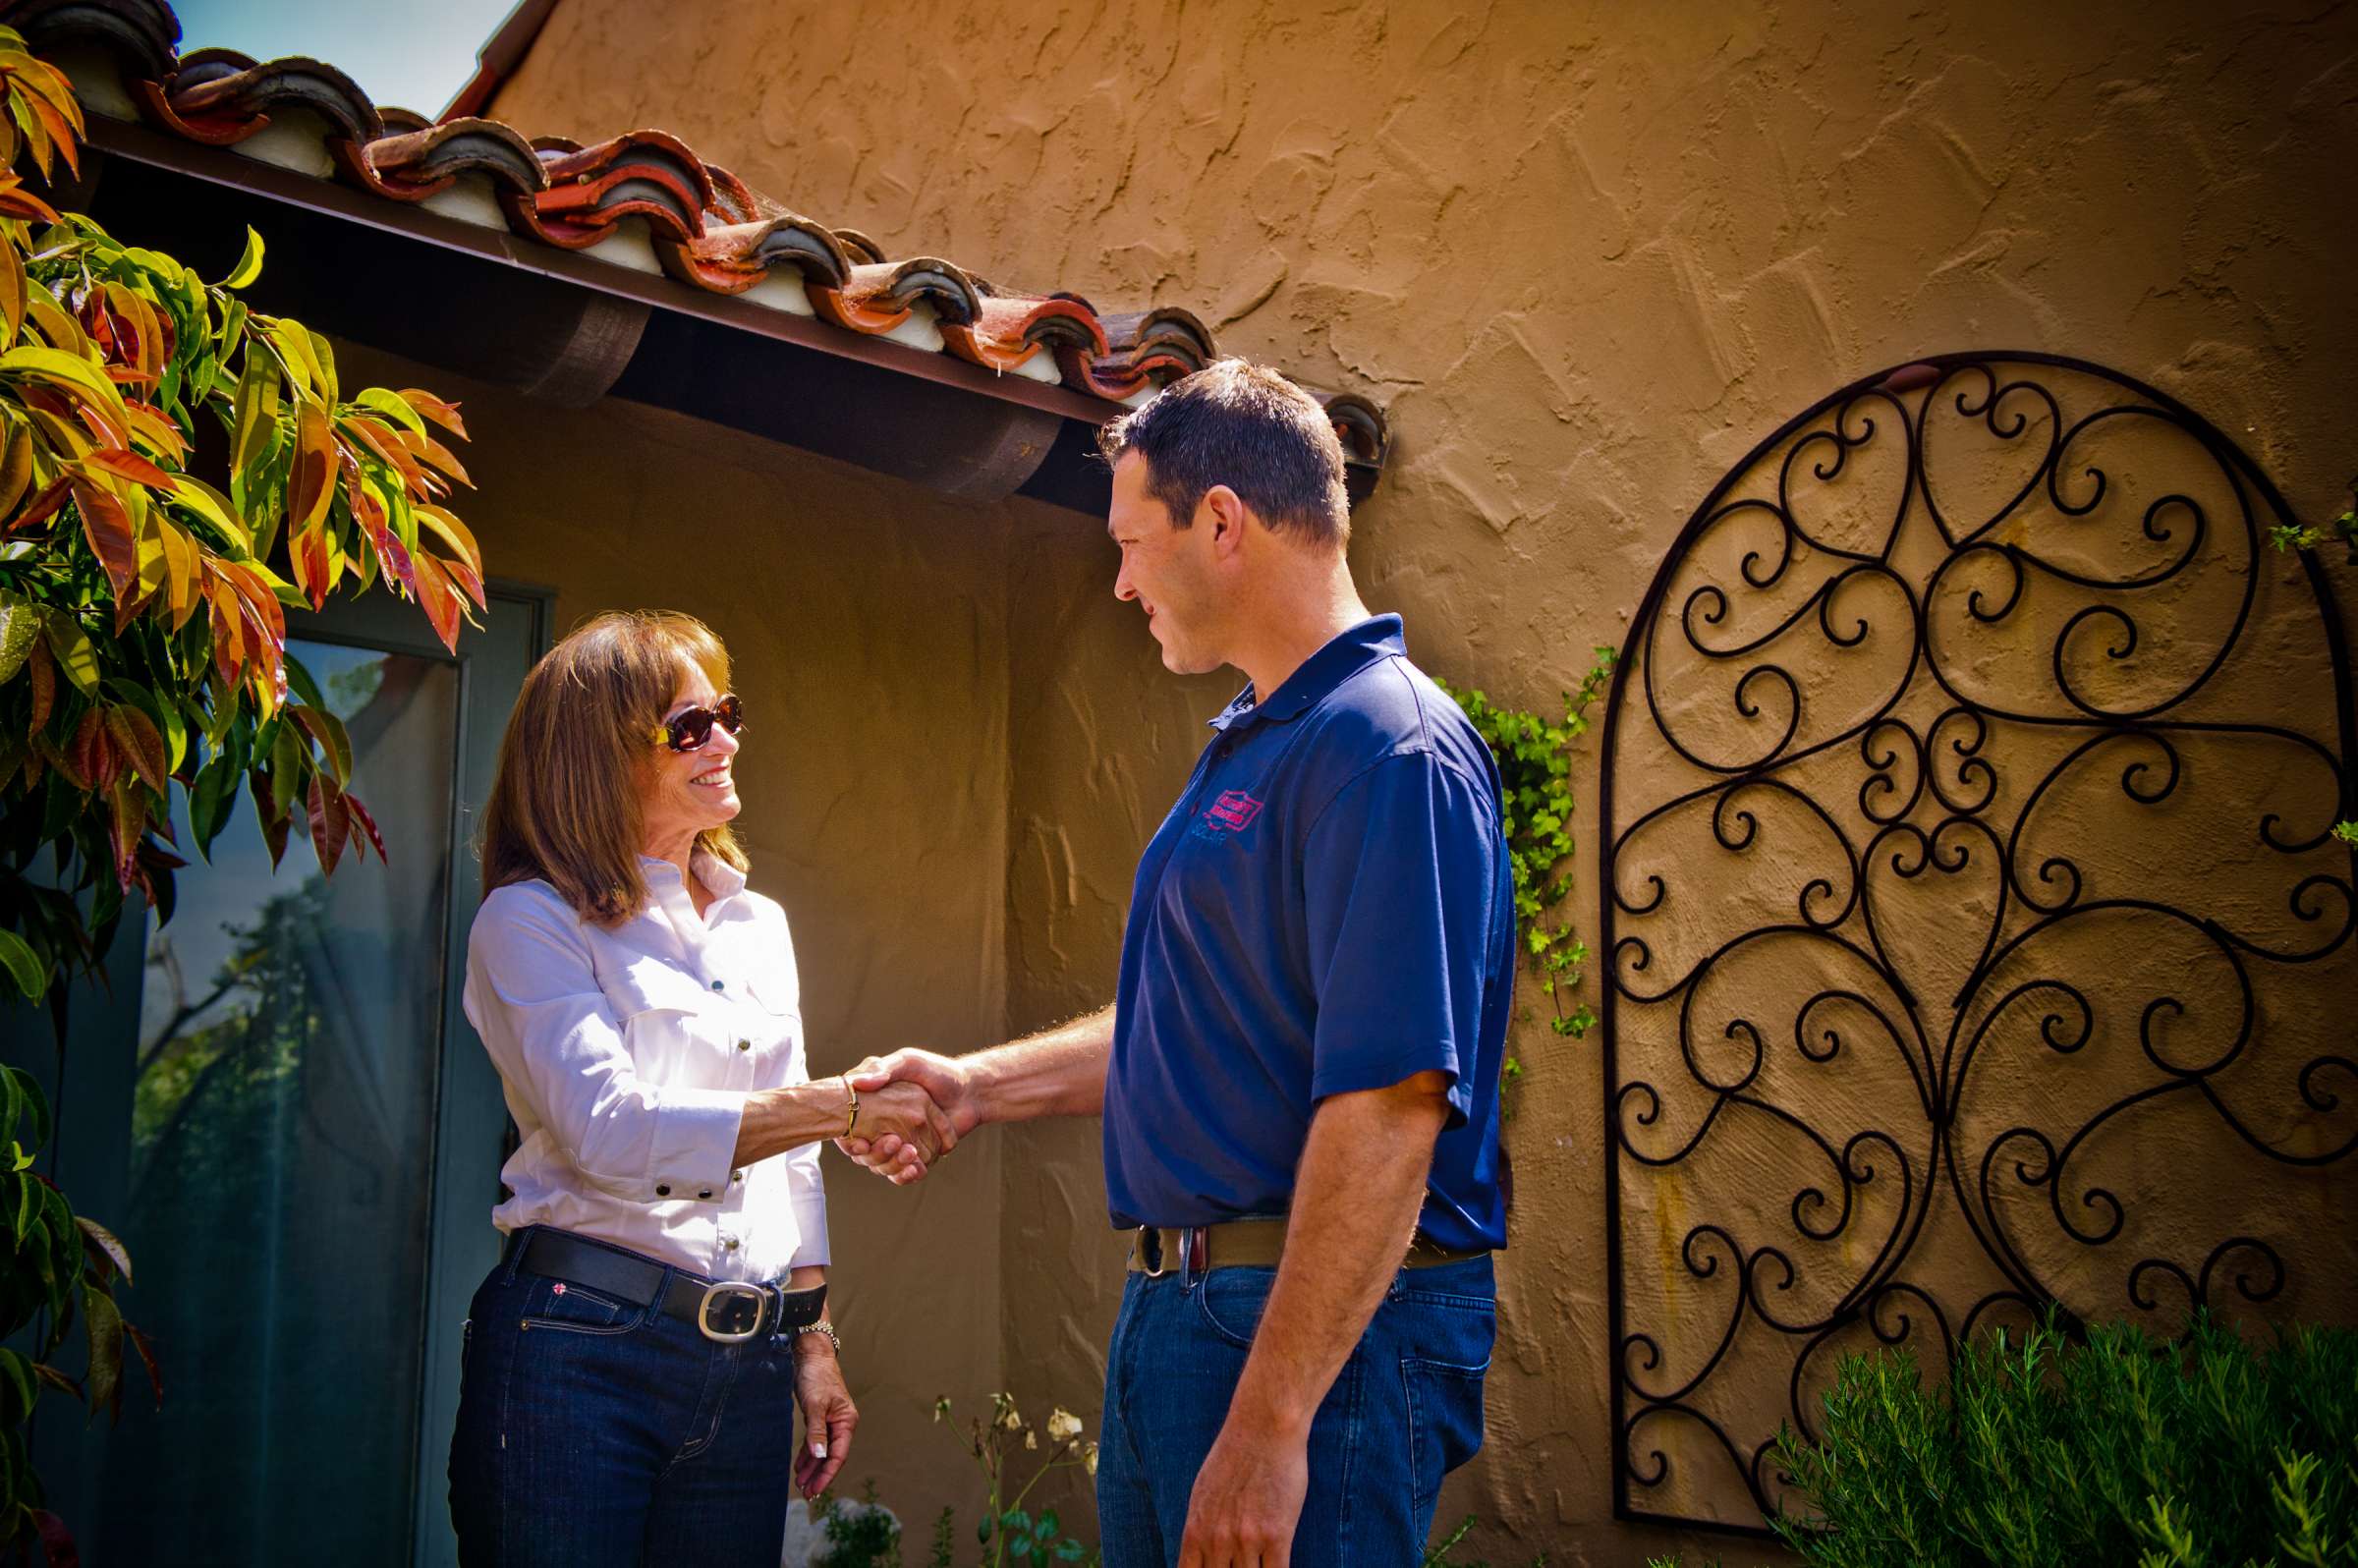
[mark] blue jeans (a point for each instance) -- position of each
(594, 1433)
(1405, 1411)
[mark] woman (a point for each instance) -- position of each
(660, 1300)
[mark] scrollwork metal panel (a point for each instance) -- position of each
(1975, 942)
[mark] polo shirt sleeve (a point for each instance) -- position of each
(533, 995)
(1398, 879)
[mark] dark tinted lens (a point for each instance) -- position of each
(690, 729)
(731, 713)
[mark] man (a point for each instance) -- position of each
(1299, 1075)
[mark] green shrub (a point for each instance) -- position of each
(2199, 1453)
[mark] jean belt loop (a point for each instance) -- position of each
(512, 1260)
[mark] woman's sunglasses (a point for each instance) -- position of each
(689, 728)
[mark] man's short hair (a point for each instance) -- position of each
(1247, 427)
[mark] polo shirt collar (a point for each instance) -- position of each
(1350, 651)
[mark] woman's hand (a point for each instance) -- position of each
(905, 1111)
(829, 1414)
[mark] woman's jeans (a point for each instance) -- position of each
(1404, 1412)
(594, 1433)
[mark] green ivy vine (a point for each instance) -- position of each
(2305, 537)
(1535, 770)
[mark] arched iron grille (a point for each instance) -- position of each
(1974, 940)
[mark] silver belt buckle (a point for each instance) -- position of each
(1159, 1265)
(733, 1289)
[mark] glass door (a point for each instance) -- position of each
(301, 1137)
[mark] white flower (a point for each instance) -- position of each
(1063, 1425)
(1088, 1459)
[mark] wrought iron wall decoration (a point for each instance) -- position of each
(1976, 941)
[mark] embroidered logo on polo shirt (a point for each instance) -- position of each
(1233, 811)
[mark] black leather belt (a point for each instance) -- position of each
(727, 1310)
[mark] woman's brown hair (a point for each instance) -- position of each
(565, 806)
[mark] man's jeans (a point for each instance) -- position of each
(597, 1434)
(1404, 1412)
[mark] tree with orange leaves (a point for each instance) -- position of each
(144, 642)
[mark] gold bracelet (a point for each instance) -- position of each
(852, 1120)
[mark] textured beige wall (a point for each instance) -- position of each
(1588, 255)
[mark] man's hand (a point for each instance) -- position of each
(829, 1414)
(902, 1111)
(1247, 1500)
(903, 1155)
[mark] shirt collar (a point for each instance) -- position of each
(720, 878)
(1350, 651)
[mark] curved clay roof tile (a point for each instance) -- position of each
(143, 35)
(416, 165)
(877, 296)
(730, 258)
(213, 92)
(710, 229)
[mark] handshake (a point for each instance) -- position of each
(913, 1107)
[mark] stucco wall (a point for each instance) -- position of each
(868, 626)
(1588, 255)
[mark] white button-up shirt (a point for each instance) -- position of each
(628, 1055)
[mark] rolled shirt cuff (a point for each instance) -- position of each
(810, 1221)
(694, 1139)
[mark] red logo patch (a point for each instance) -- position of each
(1233, 811)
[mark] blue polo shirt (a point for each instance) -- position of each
(1329, 907)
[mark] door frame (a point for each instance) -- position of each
(471, 1115)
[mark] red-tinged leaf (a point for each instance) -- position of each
(431, 407)
(274, 838)
(106, 524)
(441, 520)
(57, 1542)
(16, 457)
(42, 506)
(18, 202)
(368, 823)
(268, 614)
(439, 598)
(41, 666)
(381, 439)
(130, 466)
(311, 481)
(126, 824)
(435, 453)
(154, 426)
(100, 1241)
(146, 1349)
(392, 556)
(465, 577)
(229, 629)
(57, 1380)
(330, 820)
(136, 736)
(306, 552)
(59, 131)
(86, 755)
(12, 293)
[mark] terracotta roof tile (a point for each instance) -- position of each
(704, 226)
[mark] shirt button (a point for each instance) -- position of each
(664, 1191)
(730, 1242)
(744, 1044)
(736, 1175)
(717, 986)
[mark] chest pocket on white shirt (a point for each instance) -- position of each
(661, 1006)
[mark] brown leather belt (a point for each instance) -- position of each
(1250, 1244)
